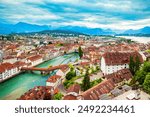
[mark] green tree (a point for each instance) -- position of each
(57, 96)
(97, 67)
(146, 84)
(80, 52)
(86, 81)
(131, 65)
(50, 42)
(141, 73)
(137, 63)
(146, 67)
(95, 82)
(134, 65)
(71, 74)
(68, 83)
(139, 76)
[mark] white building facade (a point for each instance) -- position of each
(8, 70)
(114, 61)
(108, 69)
(54, 81)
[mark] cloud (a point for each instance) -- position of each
(91, 13)
(20, 11)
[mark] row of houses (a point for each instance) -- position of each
(107, 89)
(110, 83)
(39, 93)
(8, 70)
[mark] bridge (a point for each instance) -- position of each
(43, 70)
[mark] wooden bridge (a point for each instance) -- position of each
(43, 70)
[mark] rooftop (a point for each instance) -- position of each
(143, 95)
(119, 76)
(53, 78)
(119, 58)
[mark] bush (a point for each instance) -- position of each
(95, 82)
(146, 84)
(68, 83)
(58, 96)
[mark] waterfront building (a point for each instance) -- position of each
(63, 71)
(114, 61)
(35, 60)
(54, 81)
(7, 70)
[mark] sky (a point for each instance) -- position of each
(113, 14)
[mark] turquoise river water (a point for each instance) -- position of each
(16, 86)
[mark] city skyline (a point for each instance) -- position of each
(117, 15)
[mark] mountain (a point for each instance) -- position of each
(145, 30)
(22, 27)
(89, 31)
(5, 28)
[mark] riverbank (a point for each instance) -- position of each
(25, 81)
(137, 39)
(3, 80)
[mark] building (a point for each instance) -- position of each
(97, 91)
(7, 70)
(63, 71)
(20, 64)
(73, 92)
(39, 93)
(120, 77)
(114, 61)
(35, 60)
(54, 81)
(74, 89)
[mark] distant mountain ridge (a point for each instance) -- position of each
(145, 30)
(22, 27)
(89, 31)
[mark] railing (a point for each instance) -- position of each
(43, 69)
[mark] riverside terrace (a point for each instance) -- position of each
(43, 70)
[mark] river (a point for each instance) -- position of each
(18, 85)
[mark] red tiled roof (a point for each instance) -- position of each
(74, 88)
(19, 63)
(119, 58)
(38, 93)
(102, 88)
(119, 76)
(64, 68)
(34, 58)
(53, 78)
(6, 66)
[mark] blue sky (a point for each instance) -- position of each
(114, 14)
